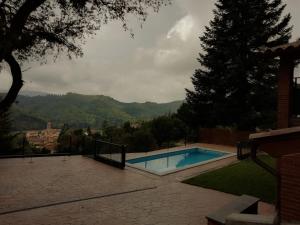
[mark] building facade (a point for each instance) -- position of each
(44, 138)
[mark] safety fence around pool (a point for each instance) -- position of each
(110, 153)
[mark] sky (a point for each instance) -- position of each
(156, 65)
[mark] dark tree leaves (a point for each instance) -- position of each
(235, 85)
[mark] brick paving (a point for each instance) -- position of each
(80, 191)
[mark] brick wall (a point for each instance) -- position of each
(221, 136)
(285, 84)
(289, 169)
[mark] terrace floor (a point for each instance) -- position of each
(80, 191)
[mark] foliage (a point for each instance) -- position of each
(244, 177)
(88, 131)
(19, 145)
(138, 137)
(162, 131)
(42, 26)
(5, 128)
(69, 139)
(166, 129)
(77, 141)
(34, 29)
(187, 115)
(189, 119)
(236, 84)
(81, 111)
(141, 140)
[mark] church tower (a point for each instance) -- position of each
(49, 126)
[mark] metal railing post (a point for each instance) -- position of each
(23, 144)
(95, 148)
(110, 149)
(259, 162)
(70, 144)
(123, 160)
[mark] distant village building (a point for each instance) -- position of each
(49, 126)
(44, 138)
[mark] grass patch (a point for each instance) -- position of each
(244, 177)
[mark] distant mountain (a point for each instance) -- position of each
(29, 93)
(33, 93)
(82, 111)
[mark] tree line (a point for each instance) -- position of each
(161, 132)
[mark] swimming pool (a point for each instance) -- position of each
(169, 162)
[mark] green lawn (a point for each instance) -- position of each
(244, 177)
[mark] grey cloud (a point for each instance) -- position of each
(155, 65)
(293, 7)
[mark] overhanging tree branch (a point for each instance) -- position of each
(20, 18)
(17, 83)
(31, 29)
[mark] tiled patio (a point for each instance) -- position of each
(78, 190)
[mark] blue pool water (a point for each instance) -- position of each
(170, 161)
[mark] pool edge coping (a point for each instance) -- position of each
(228, 155)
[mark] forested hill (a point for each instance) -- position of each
(33, 112)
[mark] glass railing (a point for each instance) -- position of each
(110, 153)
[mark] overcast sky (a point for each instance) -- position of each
(156, 65)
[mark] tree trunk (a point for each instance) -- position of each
(16, 86)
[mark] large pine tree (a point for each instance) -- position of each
(235, 85)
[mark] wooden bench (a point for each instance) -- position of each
(243, 204)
